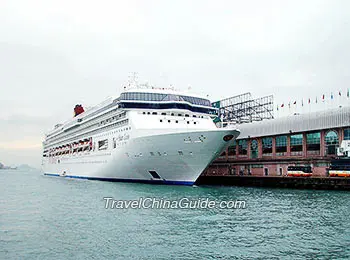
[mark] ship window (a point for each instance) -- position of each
(148, 113)
(186, 115)
(159, 153)
(161, 120)
(144, 113)
(194, 116)
(151, 153)
(180, 152)
(188, 122)
(168, 106)
(103, 144)
(168, 121)
(194, 122)
(176, 121)
(154, 113)
(179, 114)
(163, 114)
(172, 114)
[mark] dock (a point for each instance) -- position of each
(317, 183)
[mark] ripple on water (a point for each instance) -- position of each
(56, 218)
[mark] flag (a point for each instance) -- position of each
(309, 100)
(282, 105)
(316, 100)
(348, 93)
(295, 102)
(302, 102)
(332, 95)
(339, 93)
(323, 97)
(277, 107)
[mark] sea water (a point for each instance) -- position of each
(45, 217)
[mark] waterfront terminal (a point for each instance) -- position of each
(292, 151)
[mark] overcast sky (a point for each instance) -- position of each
(54, 54)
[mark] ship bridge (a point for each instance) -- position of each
(158, 99)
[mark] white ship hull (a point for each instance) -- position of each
(144, 135)
(170, 158)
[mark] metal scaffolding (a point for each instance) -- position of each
(244, 109)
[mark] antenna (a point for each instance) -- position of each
(132, 81)
(133, 77)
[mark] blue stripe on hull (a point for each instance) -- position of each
(187, 183)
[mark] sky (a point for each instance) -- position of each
(55, 54)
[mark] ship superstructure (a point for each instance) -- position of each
(146, 135)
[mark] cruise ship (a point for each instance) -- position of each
(147, 134)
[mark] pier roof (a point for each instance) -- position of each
(328, 119)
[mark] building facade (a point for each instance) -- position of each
(267, 148)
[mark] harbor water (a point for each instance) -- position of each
(45, 217)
